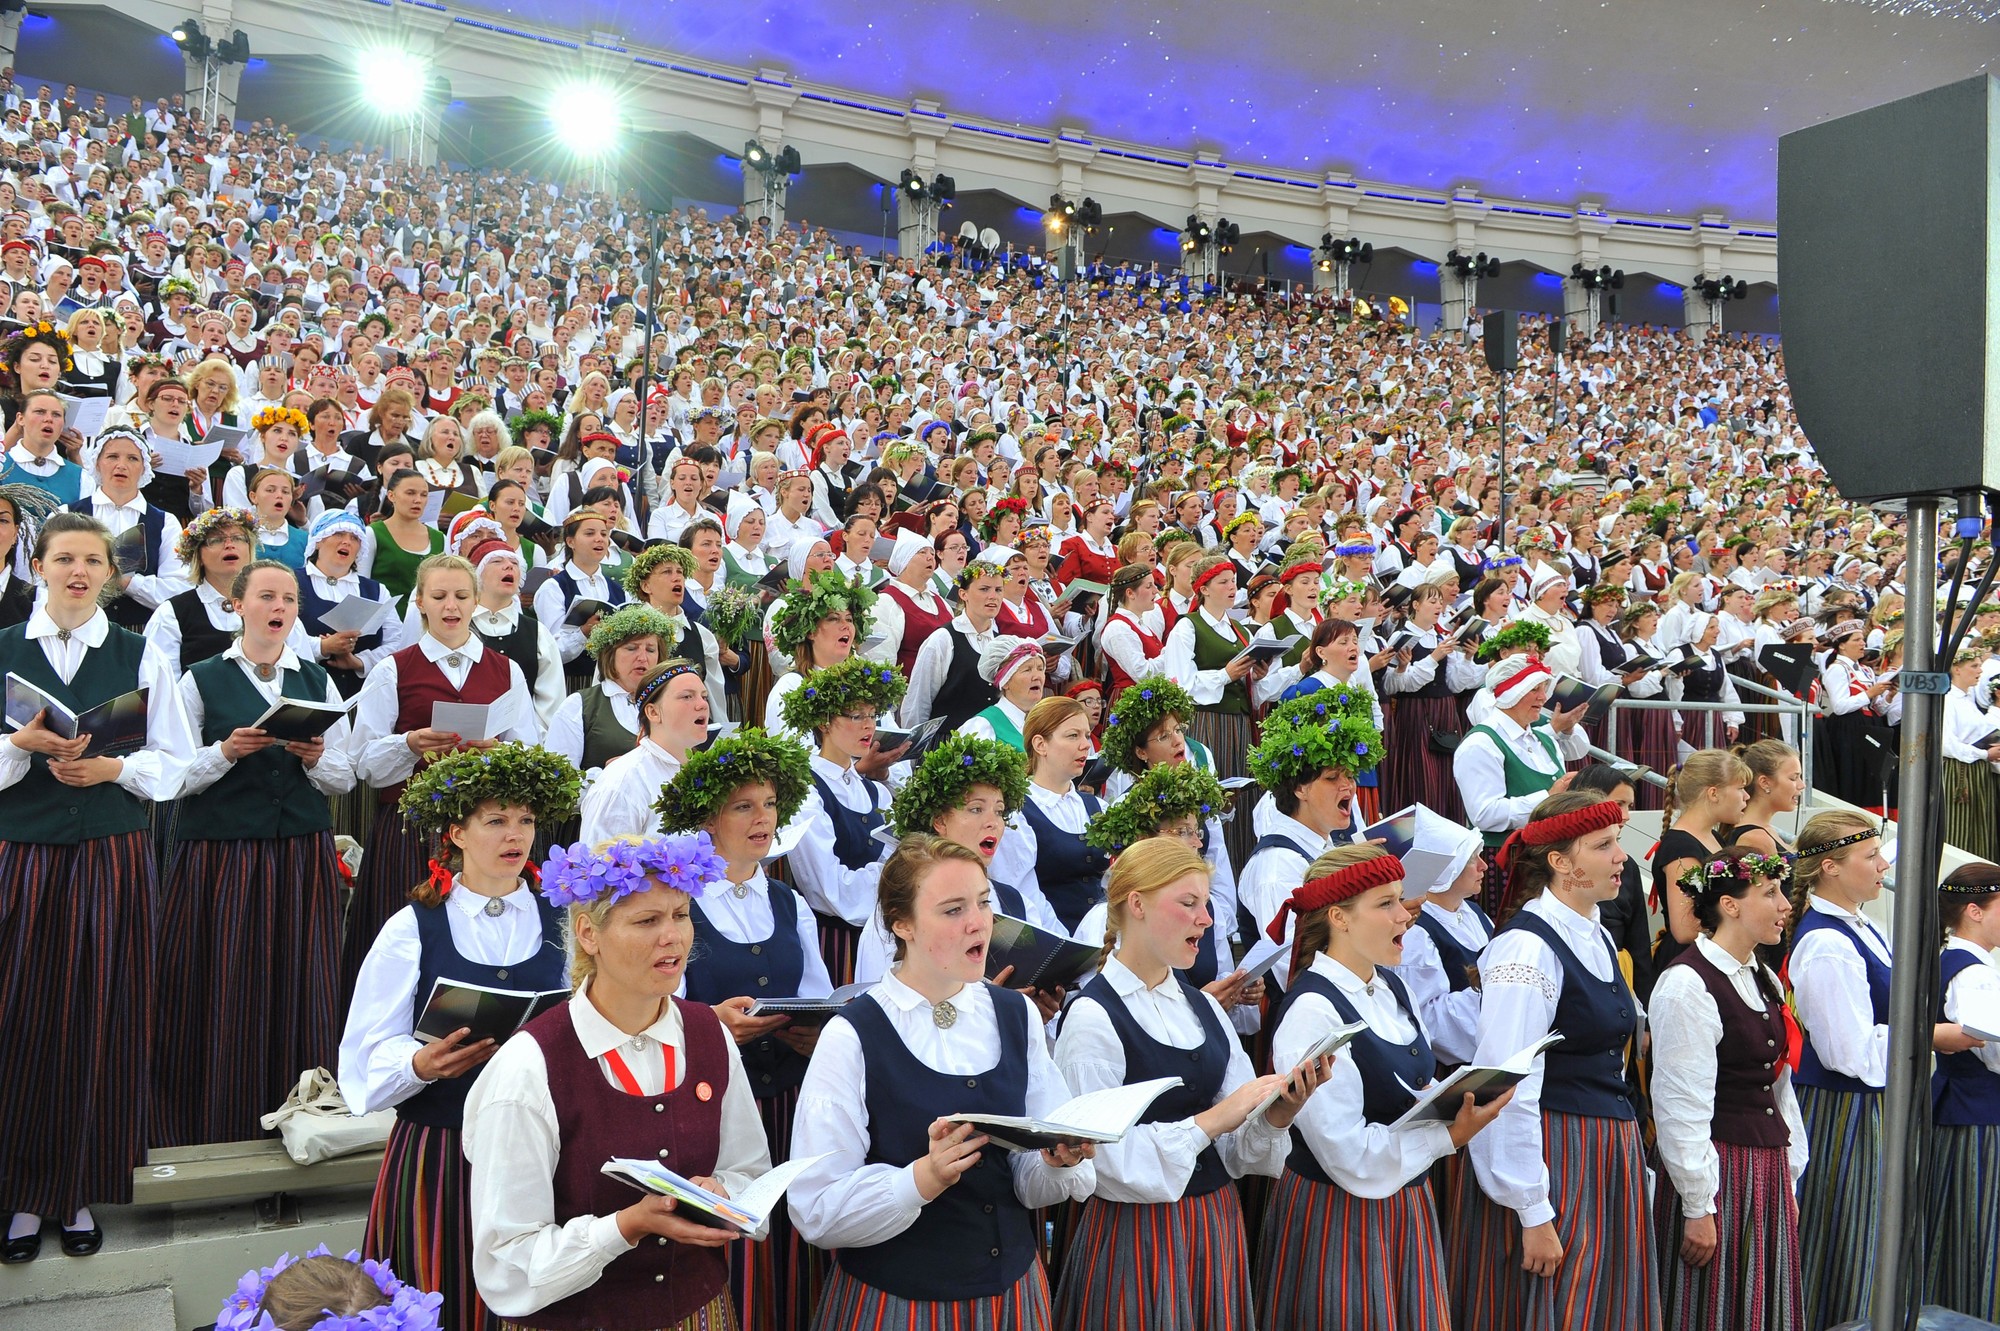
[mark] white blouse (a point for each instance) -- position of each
(845, 1202)
(1367, 1159)
(523, 1259)
(1974, 996)
(1155, 1160)
(382, 757)
(751, 919)
(827, 884)
(331, 775)
(1451, 1018)
(1687, 1027)
(1830, 995)
(619, 802)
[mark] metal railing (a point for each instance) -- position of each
(1798, 708)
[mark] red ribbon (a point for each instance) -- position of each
(440, 878)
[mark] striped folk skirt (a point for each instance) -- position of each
(249, 969)
(76, 985)
(1175, 1266)
(1837, 1199)
(1964, 1270)
(1969, 809)
(420, 1221)
(1331, 1259)
(776, 1283)
(717, 1316)
(1752, 1282)
(1229, 736)
(1493, 885)
(1650, 737)
(839, 941)
(1412, 771)
(1608, 1278)
(850, 1305)
(398, 858)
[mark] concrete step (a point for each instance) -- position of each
(143, 1310)
(181, 1260)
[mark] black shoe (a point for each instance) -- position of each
(82, 1242)
(24, 1249)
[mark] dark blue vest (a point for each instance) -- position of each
(1246, 923)
(1585, 1074)
(1458, 960)
(1201, 1071)
(1070, 870)
(442, 1103)
(1384, 1065)
(1207, 961)
(123, 610)
(720, 968)
(1811, 1071)
(854, 843)
(1007, 900)
(975, 1239)
(312, 608)
(1965, 1093)
(614, 589)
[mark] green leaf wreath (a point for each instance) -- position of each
(709, 777)
(810, 603)
(947, 772)
(1138, 709)
(447, 790)
(825, 694)
(1162, 794)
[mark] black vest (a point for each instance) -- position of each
(964, 694)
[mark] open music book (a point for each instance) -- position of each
(1439, 1103)
(749, 1215)
(1096, 1116)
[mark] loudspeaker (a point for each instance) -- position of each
(1503, 341)
(650, 170)
(1558, 335)
(1884, 221)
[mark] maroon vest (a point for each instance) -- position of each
(419, 683)
(660, 1282)
(918, 624)
(1747, 1062)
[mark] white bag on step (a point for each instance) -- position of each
(315, 1124)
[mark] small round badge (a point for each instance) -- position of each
(703, 1092)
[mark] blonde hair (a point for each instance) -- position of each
(1143, 869)
(1313, 933)
(904, 872)
(1820, 829)
(440, 564)
(1699, 771)
(300, 1296)
(583, 966)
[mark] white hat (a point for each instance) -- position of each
(1512, 678)
(1000, 658)
(908, 546)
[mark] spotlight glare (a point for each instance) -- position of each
(586, 117)
(392, 81)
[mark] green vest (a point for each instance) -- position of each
(1004, 730)
(1298, 651)
(41, 810)
(603, 737)
(1212, 651)
(1521, 778)
(266, 795)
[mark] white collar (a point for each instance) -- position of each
(1953, 941)
(1719, 957)
(1565, 917)
(907, 999)
(470, 902)
(93, 633)
(1125, 982)
(1341, 977)
(434, 650)
(1825, 907)
(1292, 829)
(137, 504)
(599, 1037)
(287, 658)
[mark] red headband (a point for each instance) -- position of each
(1201, 579)
(1079, 689)
(598, 437)
(1534, 667)
(1299, 571)
(1336, 887)
(1555, 830)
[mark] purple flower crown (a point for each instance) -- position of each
(408, 1309)
(578, 874)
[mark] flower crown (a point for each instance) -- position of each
(948, 771)
(291, 416)
(1343, 589)
(1520, 636)
(528, 420)
(811, 601)
(1161, 794)
(827, 693)
(1700, 877)
(1353, 549)
(579, 875)
(991, 522)
(408, 1309)
(1138, 709)
(1330, 729)
(44, 332)
(448, 789)
(708, 778)
(1243, 519)
(623, 625)
(647, 562)
(204, 525)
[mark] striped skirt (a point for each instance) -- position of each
(1650, 737)
(1229, 736)
(1752, 1282)
(1175, 1266)
(849, 1305)
(420, 1221)
(1412, 771)
(776, 1283)
(1969, 809)
(1608, 1278)
(249, 970)
(1492, 886)
(1964, 1270)
(1331, 1259)
(839, 941)
(398, 858)
(717, 1316)
(1837, 1199)
(76, 985)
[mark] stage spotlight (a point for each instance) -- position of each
(944, 189)
(585, 116)
(392, 81)
(788, 161)
(190, 38)
(234, 51)
(912, 183)
(753, 153)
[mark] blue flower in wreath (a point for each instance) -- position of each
(1361, 750)
(1298, 752)
(1147, 694)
